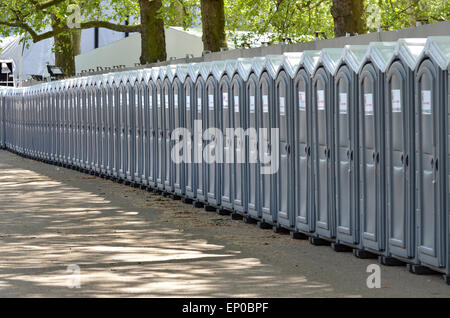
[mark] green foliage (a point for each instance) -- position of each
(184, 13)
(398, 14)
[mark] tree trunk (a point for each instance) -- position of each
(64, 57)
(213, 24)
(153, 40)
(349, 16)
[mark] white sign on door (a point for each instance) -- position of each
(188, 102)
(166, 101)
(225, 100)
(282, 106)
(265, 99)
(236, 104)
(302, 100)
(211, 101)
(252, 104)
(175, 100)
(426, 102)
(368, 104)
(343, 103)
(396, 101)
(320, 100)
(199, 105)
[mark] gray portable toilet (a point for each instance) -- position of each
(370, 136)
(71, 118)
(139, 112)
(90, 105)
(432, 145)
(200, 116)
(116, 121)
(399, 143)
(91, 124)
(130, 132)
(57, 122)
(168, 117)
(109, 108)
(123, 130)
(149, 153)
(283, 121)
(264, 107)
(214, 142)
(190, 104)
(323, 148)
(98, 125)
(250, 112)
(96, 138)
(63, 122)
(346, 146)
(301, 66)
(159, 127)
(226, 123)
(239, 71)
(178, 75)
(83, 113)
(103, 127)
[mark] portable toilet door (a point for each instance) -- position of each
(53, 122)
(139, 111)
(199, 128)
(302, 67)
(116, 104)
(371, 159)
(45, 129)
(225, 120)
(189, 119)
(110, 127)
(63, 122)
(168, 128)
(178, 123)
(82, 109)
(150, 149)
(214, 136)
(159, 125)
(323, 153)
(94, 125)
(399, 143)
(346, 145)
(246, 105)
(98, 126)
(59, 128)
(432, 143)
(70, 123)
(103, 126)
(90, 97)
(284, 172)
(131, 128)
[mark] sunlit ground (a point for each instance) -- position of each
(46, 225)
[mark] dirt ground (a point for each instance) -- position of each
(130, 243)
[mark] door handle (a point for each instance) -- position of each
(287, 148)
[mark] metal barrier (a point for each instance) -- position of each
(343, 146)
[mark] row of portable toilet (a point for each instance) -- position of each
(349, 146)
